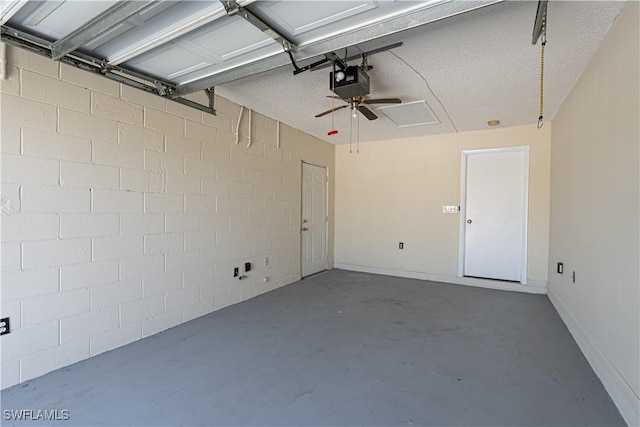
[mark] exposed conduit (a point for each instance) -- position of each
(238, 125)
(278, 134)
(3, 61)
(249, 137)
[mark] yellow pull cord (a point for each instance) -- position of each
(350, 135)
(544, 42)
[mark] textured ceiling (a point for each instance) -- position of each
(479, 66)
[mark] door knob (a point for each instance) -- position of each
(469, 221)
(304, 221)
(305, 229)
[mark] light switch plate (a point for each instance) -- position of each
(449, 209)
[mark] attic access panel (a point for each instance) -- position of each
(417, 113)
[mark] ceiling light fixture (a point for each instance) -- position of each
(493, 122)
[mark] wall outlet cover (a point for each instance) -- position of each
(5, 326)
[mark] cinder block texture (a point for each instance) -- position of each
(124, 214)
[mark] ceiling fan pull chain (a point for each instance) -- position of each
(350, 135)
(238, 125)
(544, 42)
(358, 135)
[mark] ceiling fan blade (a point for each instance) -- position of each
(383, 101)
(335, 97)
(367, 113)
(331, 110)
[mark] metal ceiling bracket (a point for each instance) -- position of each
(234, 9)
(331, 56)
(194, 104)
(98, 25)
(359, 55)
(373, 31)
(160, 88)
(211, 95)
(328, 57)
(540, 23)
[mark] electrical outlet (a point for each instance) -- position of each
(401, 245)
(5, 326)
(265, 279)
(560, 268)
(236, 271)
(266, 261)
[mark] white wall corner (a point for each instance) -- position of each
(532, 287)
(626, 400)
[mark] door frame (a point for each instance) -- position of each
(463, 206)
(326, 213)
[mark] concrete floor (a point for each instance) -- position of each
(341, 348)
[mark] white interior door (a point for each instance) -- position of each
(314, 219)
(494, 220)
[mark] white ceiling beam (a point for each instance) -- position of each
(96, 26)
(183, 27)
(359, 35)
(167, 36)
(10, 8)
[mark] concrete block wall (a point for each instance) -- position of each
(124, 214)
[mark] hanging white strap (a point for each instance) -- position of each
(3, 61)
(249, 137)
(238, 125)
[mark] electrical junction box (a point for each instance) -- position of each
(354, 81)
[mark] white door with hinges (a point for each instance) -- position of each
(314, 219)
(494, 213)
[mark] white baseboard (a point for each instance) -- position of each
(623, 396)
(532, 287)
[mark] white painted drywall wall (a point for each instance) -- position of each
(595, 212)
(123, 214)
(393, 191)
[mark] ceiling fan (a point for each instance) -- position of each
(359, 103)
